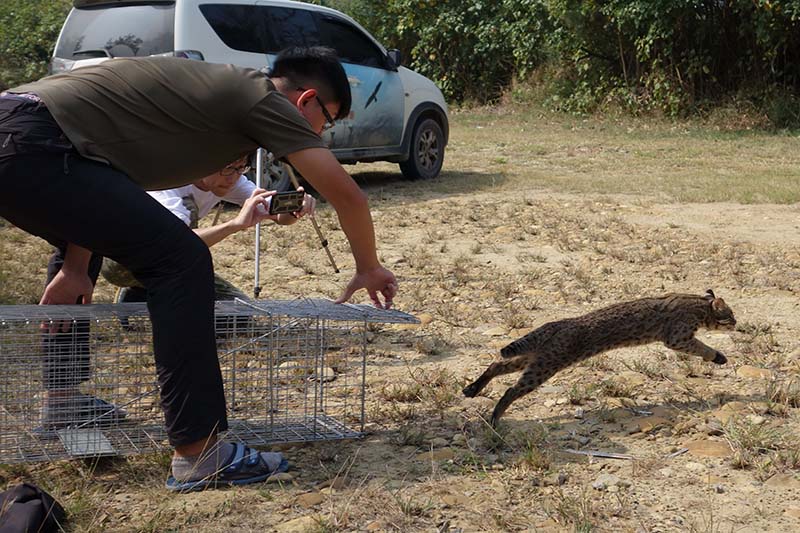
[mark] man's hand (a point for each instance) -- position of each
(377, 280)
(68, 288)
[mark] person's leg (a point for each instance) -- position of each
(225, 290)
(66, 361)
(96, 207)
(66, 364)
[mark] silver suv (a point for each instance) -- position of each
(397, 115)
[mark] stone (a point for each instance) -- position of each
(298, 525)
(309, 499)
(719, 489)
(478, 403)
(337, 483)
(711, 428)
(555, 480)
(631, 378)
(327, 374)
(756, 420)
(442, 454)
(425, 319)
(454, 500)
(497, 331)
(459, 440)
(666, 472)
(782, 481)
(649, 423)
(695, 467)
(549, 403)
(753, 372)
(724, 413)
(686, 425)
(792, 512)
(604, 481)
(578, 413)
(439, 442)
(709, 448)
(280, 477)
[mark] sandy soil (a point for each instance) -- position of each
(707, 448)
(483, 267)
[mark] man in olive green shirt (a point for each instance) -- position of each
(77, 152)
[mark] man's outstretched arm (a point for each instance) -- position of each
(326, 175)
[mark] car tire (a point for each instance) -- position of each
(426, 153)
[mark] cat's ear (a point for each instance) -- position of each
(709, 295)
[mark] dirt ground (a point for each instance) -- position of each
(479, 271)
(704, 448)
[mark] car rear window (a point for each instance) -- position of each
(259, 29)
(270, 29)
(122, 31)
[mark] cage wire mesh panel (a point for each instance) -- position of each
(80, 381)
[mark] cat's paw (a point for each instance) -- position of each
(470, 391)
(719, 359)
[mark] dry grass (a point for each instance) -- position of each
(535, 218)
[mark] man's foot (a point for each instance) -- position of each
(78, 410)
(225, 464)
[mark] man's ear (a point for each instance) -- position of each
(306, 96)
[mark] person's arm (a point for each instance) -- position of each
(254, 210)
(71, 284)
(328, 177)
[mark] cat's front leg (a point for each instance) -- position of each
(700, 349)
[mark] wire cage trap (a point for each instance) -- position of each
(80, 381)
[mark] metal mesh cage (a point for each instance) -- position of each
(80, 381)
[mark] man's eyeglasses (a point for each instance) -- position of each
(329, 122)
(235, 170)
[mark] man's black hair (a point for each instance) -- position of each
(317, 67)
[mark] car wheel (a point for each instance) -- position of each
(273, 177)
(426, 154)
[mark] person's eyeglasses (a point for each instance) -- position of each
(329, 122)
(235, 170)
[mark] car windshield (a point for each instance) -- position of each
(118, 31)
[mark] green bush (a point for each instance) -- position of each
(472, 48)
(673, 57)
(28, 31)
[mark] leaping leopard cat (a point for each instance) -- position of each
(672, 319)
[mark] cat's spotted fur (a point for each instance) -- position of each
(672, 319)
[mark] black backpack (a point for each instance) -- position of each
(28, 509)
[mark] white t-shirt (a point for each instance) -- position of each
(190, 204)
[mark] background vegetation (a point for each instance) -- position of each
(670, 57)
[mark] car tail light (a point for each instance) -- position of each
(189, 54)
(58, 65)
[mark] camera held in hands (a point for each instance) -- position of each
(286, 202)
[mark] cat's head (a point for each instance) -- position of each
(720, 316)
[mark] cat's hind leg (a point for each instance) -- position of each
(533, 376)
(498, 368)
